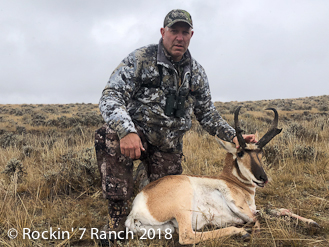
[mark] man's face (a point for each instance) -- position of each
(176, 39)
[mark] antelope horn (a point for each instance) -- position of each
(238, 131)
(273, 131)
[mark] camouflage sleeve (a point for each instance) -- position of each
(116, 95)
(204, 109)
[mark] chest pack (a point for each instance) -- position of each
(175, 100)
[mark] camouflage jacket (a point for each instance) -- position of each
(134, 97)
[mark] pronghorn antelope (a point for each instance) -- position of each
(192, 202)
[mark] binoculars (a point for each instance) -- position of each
(175, 105)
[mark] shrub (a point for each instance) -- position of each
(323, 108)
(307, 153)
(16, 112)
(273, 154)
(14, 166)
(304, 152)
(298, 131)
(8, 139)
(20, 130)
(38, 119)
(28, 151)
(77, 172)
(50, 109)
(84, 119)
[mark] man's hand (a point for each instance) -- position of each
(248, 138)
(131, 146)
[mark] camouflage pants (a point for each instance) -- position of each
(117, 170)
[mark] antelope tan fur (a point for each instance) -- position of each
(188, 203)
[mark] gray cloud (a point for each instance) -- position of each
(64, 51)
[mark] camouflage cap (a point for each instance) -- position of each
(177, 15)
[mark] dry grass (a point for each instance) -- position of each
(50, 178)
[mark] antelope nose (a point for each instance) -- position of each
(264, 178)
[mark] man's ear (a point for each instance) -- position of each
(192, 32)
(162, 31)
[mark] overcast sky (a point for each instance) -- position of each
(64, 51)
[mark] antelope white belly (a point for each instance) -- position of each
(210, 205)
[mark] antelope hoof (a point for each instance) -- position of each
(256, 230)
(246, 237)
(314, 224)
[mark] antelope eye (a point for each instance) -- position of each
(240, 154)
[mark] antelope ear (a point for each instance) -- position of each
(228, 146)
(257, 136)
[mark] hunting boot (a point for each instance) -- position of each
(140, 179)
(118, 212)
